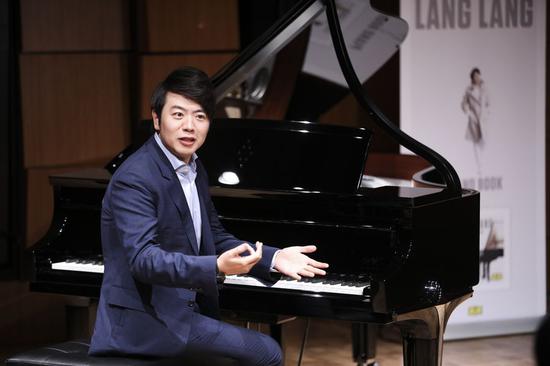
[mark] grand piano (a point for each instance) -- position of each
(401, 255)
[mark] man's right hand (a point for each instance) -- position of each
(231, 262)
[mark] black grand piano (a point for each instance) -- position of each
(399, 255)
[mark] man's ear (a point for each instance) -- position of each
(156, 121)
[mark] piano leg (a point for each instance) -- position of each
(422, 333)
(364, 343)
(80, 315)
(276, 332)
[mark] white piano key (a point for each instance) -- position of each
(78, 267)
(295, 285)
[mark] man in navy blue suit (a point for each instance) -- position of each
(164, 248)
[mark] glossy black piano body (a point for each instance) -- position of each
(402, 237)
(74, 233)
(418, 254)
(300, 183)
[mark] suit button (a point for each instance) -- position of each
(190, 303)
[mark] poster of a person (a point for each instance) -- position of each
(475, 104)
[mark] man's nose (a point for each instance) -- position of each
(188, 123)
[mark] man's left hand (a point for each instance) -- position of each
(293, 262)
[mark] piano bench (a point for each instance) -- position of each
(76, 353)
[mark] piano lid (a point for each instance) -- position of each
(246, 77)
(367, 32)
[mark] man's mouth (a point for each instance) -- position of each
(187, 141)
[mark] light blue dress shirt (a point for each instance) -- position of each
(186, 174)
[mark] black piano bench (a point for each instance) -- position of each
(75, 353)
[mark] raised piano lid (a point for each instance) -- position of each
(385, 34)
(384, 41)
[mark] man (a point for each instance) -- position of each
(164, 247)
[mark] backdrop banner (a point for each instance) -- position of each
(473, 89)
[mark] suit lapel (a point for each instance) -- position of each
(173, 187)
(178, 197)
(207, 245)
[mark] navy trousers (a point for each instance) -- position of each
(214, 337)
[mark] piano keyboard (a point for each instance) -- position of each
(79, 265)
(331, 283)
(336, 284)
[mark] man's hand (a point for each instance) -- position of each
(231, 262)
(292, 262)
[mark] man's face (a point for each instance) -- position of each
(184, 126)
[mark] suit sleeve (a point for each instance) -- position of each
(225, 241)
(134, 212)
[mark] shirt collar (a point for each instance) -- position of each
(174, 160)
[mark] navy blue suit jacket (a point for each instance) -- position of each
(153, 267)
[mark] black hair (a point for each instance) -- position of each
(190, 83)
(474, 71)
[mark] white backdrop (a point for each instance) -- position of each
(493, 134)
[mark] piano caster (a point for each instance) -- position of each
(422, 333)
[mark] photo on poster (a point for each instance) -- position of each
(494, 249)
(475, 105)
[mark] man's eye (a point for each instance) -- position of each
(178, 115)
(200, 117)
